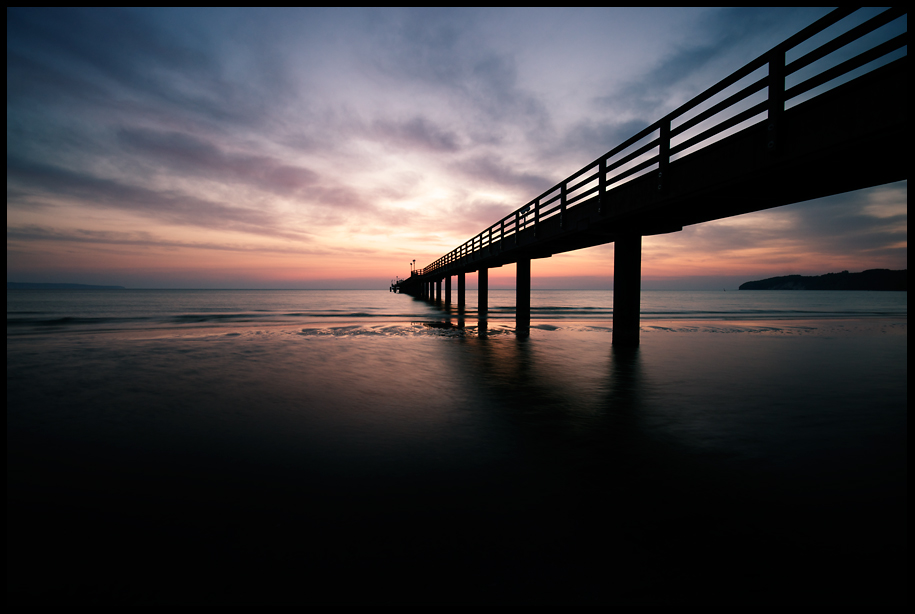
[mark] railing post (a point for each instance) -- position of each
(562, 205)
(776, 98)
(537, 217)
(502, 235)
(517, 225)
(601, 185)
(663, 154)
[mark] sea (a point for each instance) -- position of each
(362, 447)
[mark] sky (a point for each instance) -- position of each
(329, 148)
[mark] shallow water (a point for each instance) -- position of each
(396, 457)
(36, 310)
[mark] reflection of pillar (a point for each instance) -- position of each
(523, 297)
(461, 291)
(627, 282)
(482, 292)
(438, 290)
(448, 291)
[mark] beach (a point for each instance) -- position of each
(408, 458)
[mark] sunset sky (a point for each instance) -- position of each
(328, 148)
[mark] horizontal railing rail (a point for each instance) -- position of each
(620, 165)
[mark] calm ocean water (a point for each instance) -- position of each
(72, 310)
(336, 447)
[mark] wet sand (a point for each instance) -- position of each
(753, 462)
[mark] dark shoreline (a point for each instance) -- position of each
(15, 285)
(884, 280)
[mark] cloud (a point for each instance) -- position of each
(166, 206)
(727, 39)
(29, 80)
(138, 62)
(848, 222)
(838, 228)
(596, 137)
(443, 51)
(185, 154)
(417, 133)
(489, 169)
(32, 233)
(472, 216)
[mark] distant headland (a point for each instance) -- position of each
(873, 279)
(15, 285)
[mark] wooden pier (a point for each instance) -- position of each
(719, 155)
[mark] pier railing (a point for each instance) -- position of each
(680, 133)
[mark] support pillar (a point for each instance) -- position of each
(523, 297)
(627, 284)
(448, 291)
(482, 292)
(438, 290)
(461, 291)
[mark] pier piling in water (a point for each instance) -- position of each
(482, 292)
(627, 282)
(523, 297)
(461, 285)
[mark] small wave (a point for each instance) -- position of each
(214, 317)
(346, 314)
(71, 321)
(580, 308)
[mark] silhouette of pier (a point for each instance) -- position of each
(777, 140)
